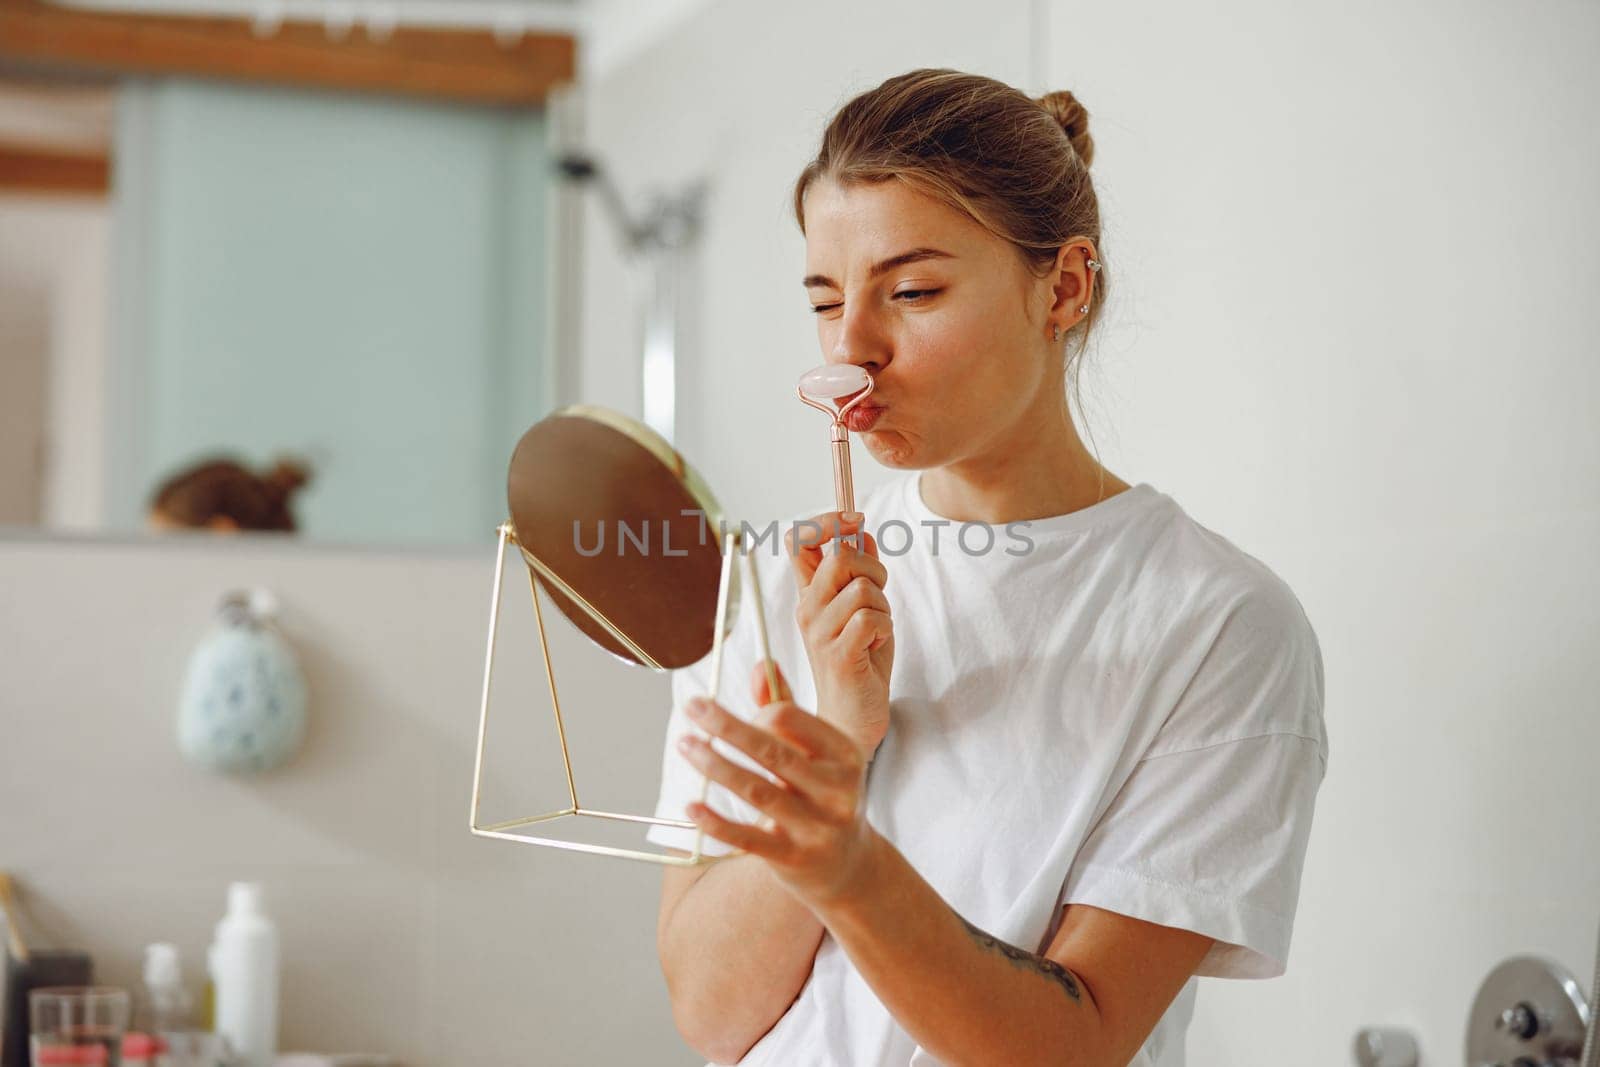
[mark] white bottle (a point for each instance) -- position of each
(244, 971)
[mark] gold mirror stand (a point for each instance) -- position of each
(733, 546)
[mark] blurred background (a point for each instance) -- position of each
(263, 238)
(375, 241)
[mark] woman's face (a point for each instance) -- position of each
(159, 522)
(941, 312)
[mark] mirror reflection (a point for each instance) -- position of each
(267, 307)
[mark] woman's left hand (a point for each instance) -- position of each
(819, 842)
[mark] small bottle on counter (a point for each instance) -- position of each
(166, 1001)
(243, 961)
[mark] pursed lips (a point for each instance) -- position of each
(860, 418)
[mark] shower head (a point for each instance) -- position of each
(582, 169)
(576, 166)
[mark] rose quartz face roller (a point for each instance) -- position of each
(817, 388)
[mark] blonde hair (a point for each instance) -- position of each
(1017, 166)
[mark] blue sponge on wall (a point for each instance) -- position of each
(243, 707)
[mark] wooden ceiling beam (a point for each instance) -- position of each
(460, 65)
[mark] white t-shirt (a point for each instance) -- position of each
(1115, 706)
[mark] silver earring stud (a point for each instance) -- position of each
(1094, 264)
(1083, 309)
(1055, 333)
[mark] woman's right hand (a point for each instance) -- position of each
(844, 620)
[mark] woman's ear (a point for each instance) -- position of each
(1070, 277)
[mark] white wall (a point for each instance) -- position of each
(1352, 248)
(53, 307)
(402, 932)
(615, 31)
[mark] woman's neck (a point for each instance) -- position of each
(1040, 469)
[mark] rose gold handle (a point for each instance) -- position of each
(844, 490)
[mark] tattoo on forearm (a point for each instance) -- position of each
(1038, 964)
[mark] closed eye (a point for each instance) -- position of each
(907, 296)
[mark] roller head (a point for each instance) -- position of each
(834, 380)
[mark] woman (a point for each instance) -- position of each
(1066, 760)
(224, 496)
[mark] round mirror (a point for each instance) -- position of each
(606, 505)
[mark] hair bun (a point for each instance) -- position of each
(1073, 118)
(287, 475)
